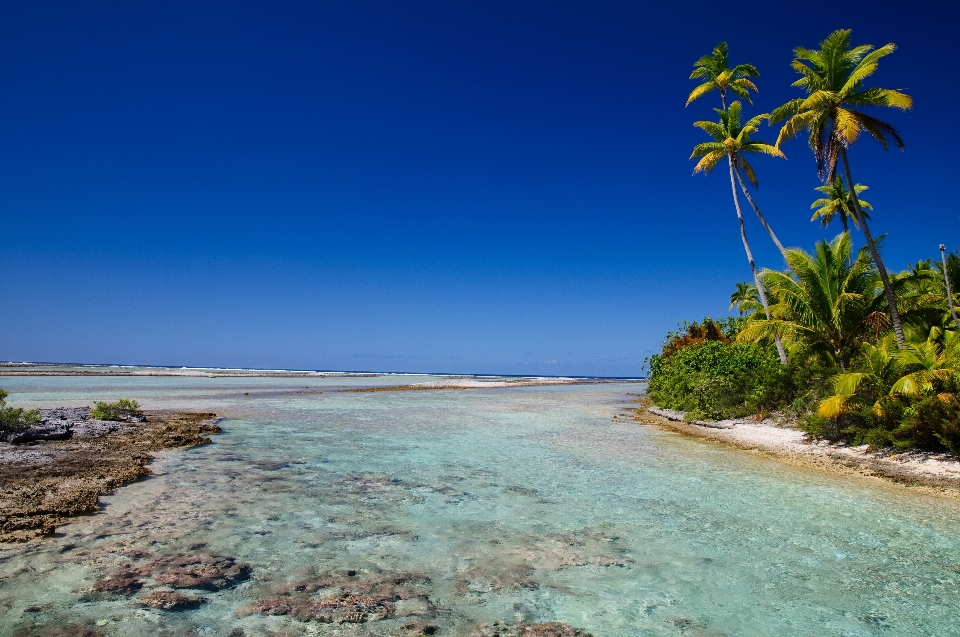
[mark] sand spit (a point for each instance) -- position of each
(45, 482)
(479, 383)
(939, 473)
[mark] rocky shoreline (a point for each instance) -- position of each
(58, 469)
(930, 472)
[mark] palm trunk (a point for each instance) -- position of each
(756, 209)
(753, 265)
(946, 279)
(887, 290)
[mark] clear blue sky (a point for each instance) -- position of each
(474, 187)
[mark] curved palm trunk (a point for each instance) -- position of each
(756, 209)
(946, 279)
(753, 265)
(887, 290)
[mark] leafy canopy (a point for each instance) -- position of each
(837, 202)
(731, 138)
(716, 73)
(833, 77)
(827, 302)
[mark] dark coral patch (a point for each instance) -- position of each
(169, 600)
(529, 629)
(122, 583)
(342, 598)
(200, 570)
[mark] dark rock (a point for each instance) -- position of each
(170, 600)
(204, 571)
(349, 599)
(528, 629)
(274, 606)
(123, 583)
(59, 630)
(42, 431)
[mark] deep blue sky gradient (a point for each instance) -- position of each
(469, 187)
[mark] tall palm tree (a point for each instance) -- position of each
(718, 75)
(833, 78)
(838, 202)
(827, 302)
(946, 280)
(731, 140)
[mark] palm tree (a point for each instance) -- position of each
(715, 70)
(745, 299)
(833, 78)
(731, 140)
(921, 301)
(877, 369)
(930, 363)
(946, 280)
(826, 302)
(838, 202)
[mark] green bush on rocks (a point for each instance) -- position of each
(116, 410)
(15, 419)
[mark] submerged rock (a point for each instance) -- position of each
(59, 630)
(170, 600)
(203, 571)
(529, 629)
(123, 583)
(342, 598)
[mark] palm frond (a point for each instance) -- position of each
(866, 67)
(786, 111)
(794, 125)
(700, 91)
(709, 161)
(748, 171)
(878, 129)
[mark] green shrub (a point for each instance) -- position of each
(114, 411)
(15, 419)
(712, 379)
(931, 424)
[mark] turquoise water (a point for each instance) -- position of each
(509, 505)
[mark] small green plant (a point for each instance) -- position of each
(15, 419)
(114, 411)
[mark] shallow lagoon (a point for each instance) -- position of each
(512, 505)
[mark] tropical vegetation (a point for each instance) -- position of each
(830, 339)
(15, 419)
(115, 410)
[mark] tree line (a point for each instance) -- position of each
(851, 350)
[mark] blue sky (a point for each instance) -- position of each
(469, 187)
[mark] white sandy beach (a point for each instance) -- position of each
(940, 472)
